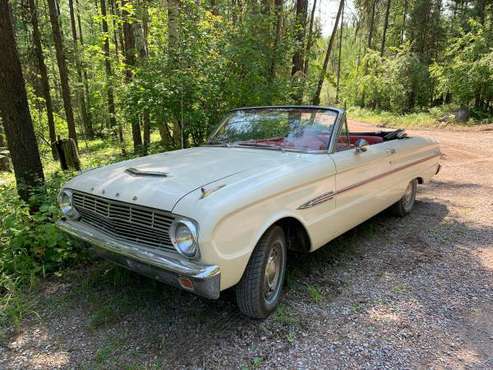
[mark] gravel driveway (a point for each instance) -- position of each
(392, 293)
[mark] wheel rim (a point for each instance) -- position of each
(273, 270)
(408, 198)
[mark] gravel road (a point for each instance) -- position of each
(392, 293)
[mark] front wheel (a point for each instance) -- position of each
(260, 288)
(406, 203)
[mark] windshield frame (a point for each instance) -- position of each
(336, 125)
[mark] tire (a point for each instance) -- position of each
(404, 206)
(260, 288)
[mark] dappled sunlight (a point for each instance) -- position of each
(50, 360)
(485, 256)
(381, 315)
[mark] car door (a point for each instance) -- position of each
(362, 183)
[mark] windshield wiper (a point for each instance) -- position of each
(220, 144)
(261, 145)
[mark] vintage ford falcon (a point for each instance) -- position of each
(269, 180)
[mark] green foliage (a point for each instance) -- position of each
(30, 243)
(216, 65)
(396, 82)
(466, 71)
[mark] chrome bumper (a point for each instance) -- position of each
(160, 265)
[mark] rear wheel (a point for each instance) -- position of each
(406, 203)
(260, 288)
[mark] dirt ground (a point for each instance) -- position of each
(415, 292)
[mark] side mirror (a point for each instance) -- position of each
(361, 145)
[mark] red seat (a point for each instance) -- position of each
(353, 138)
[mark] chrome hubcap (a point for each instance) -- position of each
(408, 197)
(273, 272)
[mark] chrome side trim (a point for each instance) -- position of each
(318, 200)
(378, 177)
(157, 264)
(329, 195)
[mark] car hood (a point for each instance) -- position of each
(161, 180)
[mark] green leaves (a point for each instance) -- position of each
(466, 71)
(30, 243)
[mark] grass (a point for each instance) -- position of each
(314, 293)
(285, 316)
(432, 118)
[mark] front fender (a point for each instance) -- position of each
(235, 237)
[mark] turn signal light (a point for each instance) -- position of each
(185, 283)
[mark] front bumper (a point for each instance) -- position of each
(203, 280)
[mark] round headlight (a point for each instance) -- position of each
(184, 237)
(65, 203)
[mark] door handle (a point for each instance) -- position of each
(390, 151)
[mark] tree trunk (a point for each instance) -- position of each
(298, 57)
(371, 26)
(385, 26)
(130, 60)
(62, 68)
(14, 110)
(316, 97)
(115, 29)
(4, 159)
(84, 74)
(309, 41)
(339, 58)
(278, 4)
(481, 10)
(146, 120)
(80, 93)
(143, 48)
(173, 49)
(404, 18)
(108, 70)
(43, 73)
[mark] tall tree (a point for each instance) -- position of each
(143, 47)
(62, 67)
(130, 61)
(14, 111)
(371, 25)
(339, 57)
(174, 52)
(43, 73)
(84, 70)
(404, 19)
(79, 91)
(278, 4)
(309, 41)
(110, 98)
(316, 96)
(298, 56)
(385, 26)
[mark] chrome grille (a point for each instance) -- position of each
(125, 221)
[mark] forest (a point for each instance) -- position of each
(126, 78)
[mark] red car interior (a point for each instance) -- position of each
(354, 137)
(317, 142)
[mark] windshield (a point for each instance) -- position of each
(295, 129)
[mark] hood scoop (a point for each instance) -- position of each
(136, 172)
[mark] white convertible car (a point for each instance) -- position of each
(269, 180)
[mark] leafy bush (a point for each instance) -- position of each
(466, 71)
(396, 83)
(30, 244)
